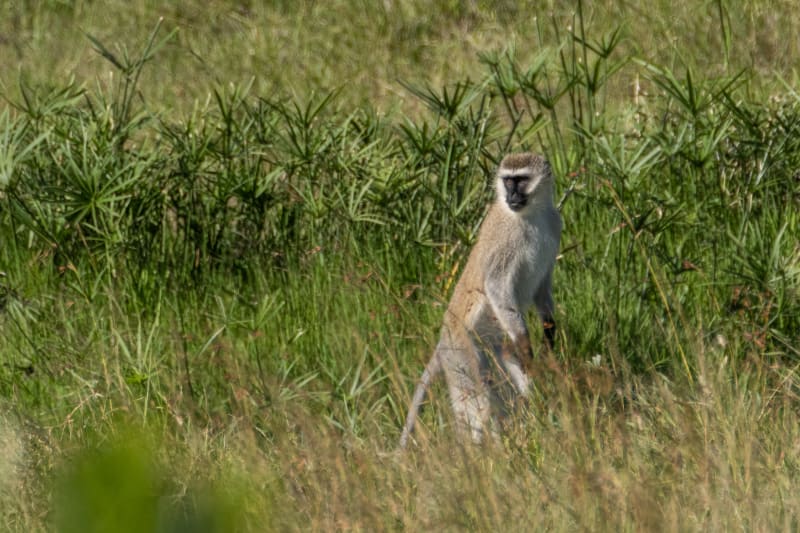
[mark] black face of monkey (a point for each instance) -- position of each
(516, 191)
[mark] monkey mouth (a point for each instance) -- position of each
(516, 205)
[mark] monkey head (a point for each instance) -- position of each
(523, 179)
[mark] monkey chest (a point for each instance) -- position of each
(532, 265)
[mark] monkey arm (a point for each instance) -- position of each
(512, 322)
(543, 299)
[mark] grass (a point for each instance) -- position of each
(219, 279)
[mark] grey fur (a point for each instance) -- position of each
(509, 269)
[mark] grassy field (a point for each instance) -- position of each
(228, 231)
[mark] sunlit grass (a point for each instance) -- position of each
(216, 292)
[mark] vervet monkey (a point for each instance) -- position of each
(509, 269)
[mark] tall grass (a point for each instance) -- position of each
(212, 318)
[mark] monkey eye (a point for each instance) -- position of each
(515, 181)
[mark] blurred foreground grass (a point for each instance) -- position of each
(222, 267)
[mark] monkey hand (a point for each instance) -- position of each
(549, 332)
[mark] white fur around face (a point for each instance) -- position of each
(538, 188)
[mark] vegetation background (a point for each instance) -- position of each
(228, 230)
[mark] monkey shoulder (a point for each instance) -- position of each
(553, 221)
(543, 235)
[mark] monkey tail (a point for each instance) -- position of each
(433, 367)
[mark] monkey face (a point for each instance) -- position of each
(524, 180)
(516, 188)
